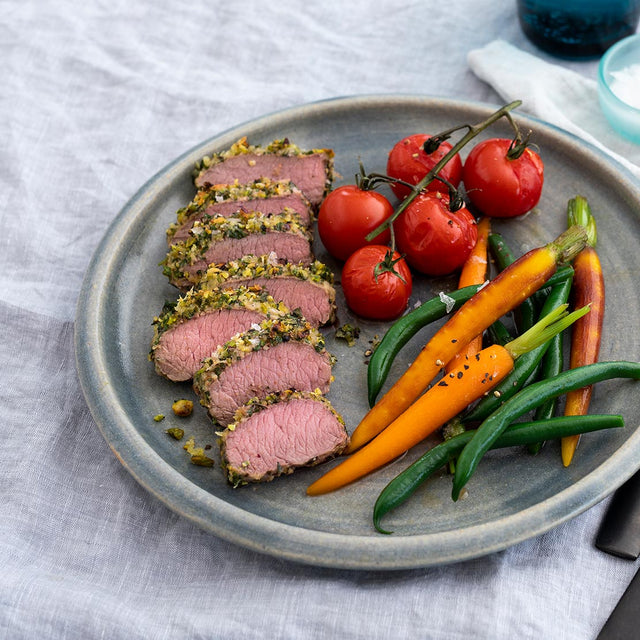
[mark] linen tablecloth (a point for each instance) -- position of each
(95, 98)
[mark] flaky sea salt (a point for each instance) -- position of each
(626, 84)
(448, 301)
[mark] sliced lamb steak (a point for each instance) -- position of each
(275, 435)
(286, 353)
(263, 196)
(220, 240)
(188, 331)
(309, 289)
(310, 170)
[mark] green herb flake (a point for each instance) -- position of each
(201, 460)
(176, 433)
(349, 333)
(197, 454)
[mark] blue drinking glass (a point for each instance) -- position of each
(577, 29)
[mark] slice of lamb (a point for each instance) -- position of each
(263, 196)
(287, 353)
(278, 434)
(315, 300)
(310, 170)
(308, 288)
(220, 240)
(190, 330)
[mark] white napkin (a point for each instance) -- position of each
(552, 93)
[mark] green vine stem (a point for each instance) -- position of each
(472, 132)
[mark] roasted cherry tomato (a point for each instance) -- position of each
(408, 161)
(499, 185)
(347, 215)
(435, 240)
(376, 282)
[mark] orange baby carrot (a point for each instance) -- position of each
(588, 287)
(474, 271)
(476, 376)
(442, 402)
(505, 292)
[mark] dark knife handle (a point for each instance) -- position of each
(623, 621)
(619, 532)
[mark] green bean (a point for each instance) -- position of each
(404, 329)
(563, 272)
(551, 365)
(499, 334)
(528, 399)
(408, 325)
(525, 314)
(403, 486)
(501, 252)
(524, 367)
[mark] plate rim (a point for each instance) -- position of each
(310, 547)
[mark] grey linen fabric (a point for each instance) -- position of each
(95, 98)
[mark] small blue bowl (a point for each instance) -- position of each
(619, 71)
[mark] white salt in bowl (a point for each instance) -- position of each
(619, 87)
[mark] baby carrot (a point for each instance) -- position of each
(442, 402)
(474, 271)
(476, 376)
(403, 329)
(525, 314)
(526, 367)
(588, 286)
(513, 285)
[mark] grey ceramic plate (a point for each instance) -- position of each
(512, 497)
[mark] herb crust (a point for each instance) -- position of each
(254, 406)
(262, 188)
(267, 334)
(278, 147)
(198, 301)
(210, 230)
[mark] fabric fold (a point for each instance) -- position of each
(552, 93)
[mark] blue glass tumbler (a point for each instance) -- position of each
(577, 29)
